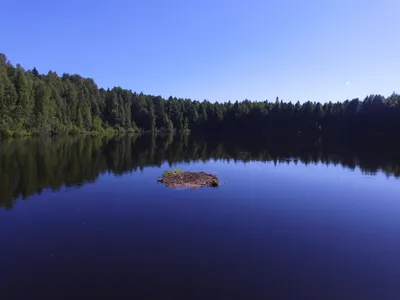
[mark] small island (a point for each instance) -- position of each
(193, 180)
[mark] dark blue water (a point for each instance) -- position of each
(94, 223)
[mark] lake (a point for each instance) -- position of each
(84, 217)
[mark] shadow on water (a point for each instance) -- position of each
(27, 166)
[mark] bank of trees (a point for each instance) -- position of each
(31, 102)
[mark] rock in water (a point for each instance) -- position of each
(193, 180)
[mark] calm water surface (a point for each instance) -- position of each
(85, 218)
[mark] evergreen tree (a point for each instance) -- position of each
(51, 104)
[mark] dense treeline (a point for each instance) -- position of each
(29, 165)
(31, 102)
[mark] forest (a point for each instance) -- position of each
(49, 104)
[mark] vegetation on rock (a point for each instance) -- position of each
(170, 172)
(178, 178)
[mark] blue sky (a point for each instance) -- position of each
(213, 49)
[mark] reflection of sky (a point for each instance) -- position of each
(322, 228)
(240, 178)
(281, 175)
(340, 192)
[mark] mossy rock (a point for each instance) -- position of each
(193, 180)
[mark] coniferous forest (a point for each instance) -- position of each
(49, 104)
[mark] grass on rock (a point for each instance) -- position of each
(171, 172)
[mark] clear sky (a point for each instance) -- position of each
(318, 50)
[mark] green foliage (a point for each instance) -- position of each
(97, 124)
(49, 104)
(4, 130)
(185, 125)
(133, 126)
(170, 172)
